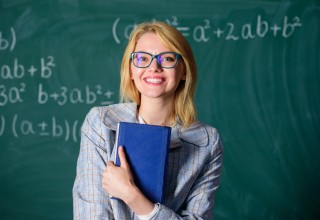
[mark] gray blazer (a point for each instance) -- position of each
(193, 174)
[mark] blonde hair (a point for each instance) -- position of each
(184, 109)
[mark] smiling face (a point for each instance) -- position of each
(155, 82)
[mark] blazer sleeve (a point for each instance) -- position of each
(90, 201)
(200, 200)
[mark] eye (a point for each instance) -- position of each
(142, 57)
(168, 57)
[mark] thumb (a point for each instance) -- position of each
(122, 157)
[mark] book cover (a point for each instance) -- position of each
(146, 148)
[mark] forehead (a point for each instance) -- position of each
(151, 43)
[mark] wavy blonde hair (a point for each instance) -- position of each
(184, 109)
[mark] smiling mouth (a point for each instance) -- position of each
(154, 80)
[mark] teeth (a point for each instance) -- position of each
(152, 80)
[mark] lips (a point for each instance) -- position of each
(154, 81)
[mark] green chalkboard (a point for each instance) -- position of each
(259, 74)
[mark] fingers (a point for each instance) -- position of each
(110, 163)
(122, 157)
(109, 167)
(115, 179)
(124, 162)
(109, 176)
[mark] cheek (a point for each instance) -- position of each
(135, 72)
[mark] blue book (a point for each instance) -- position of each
(146, 148)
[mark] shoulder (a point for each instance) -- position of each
(214, 140)
(111, 115)
(98, 110)
(199, 134)
(212, 133)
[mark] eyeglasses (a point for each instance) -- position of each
(165, 60)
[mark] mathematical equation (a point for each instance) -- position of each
(19, 127)
(16, 89)
(62, 96)
(44, 69)
(16, 70)
(205, 32)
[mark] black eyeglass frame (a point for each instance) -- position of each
(178, 56)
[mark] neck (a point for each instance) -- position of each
(157, 113)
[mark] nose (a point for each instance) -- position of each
(155, 64)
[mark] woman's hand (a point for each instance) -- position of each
(118, 181)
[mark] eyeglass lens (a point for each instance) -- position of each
(165, 60)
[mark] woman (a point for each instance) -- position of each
(158, 74)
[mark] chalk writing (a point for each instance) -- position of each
(199, 32)
(53, 127)
(2, 125)
(19, 71)
(88, 95)
(5, 42)
(174, 22)
(262, 28)
(11, 94)
(64, 95)
(44, 69)
(205, 32)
